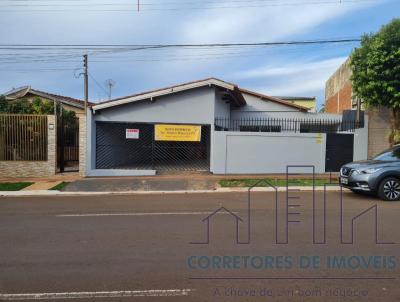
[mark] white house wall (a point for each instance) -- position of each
(260, 108)
(361, 142)
(258, 153)
(254, 103)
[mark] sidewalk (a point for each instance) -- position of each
(189, 183)
(142, 184)
(43, 183)
(71, 176)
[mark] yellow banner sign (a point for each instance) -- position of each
(178, 133)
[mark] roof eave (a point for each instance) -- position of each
(158, 93)
(57, 99)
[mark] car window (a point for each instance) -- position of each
(390, 155)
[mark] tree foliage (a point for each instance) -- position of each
(376, 67)
(36, 106)
(376, 72)
(24, 106)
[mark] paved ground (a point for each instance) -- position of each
(69, 176)
(139, 246)
(42, 185)
(140, 184)
(170, 182)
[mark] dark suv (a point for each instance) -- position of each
(381, 175)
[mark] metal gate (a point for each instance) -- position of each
(68, 144)
(115, 151)
(339, 150)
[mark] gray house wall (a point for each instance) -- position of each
(197, 106)
(222, 108)
(192, 106)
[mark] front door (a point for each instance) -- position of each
(339, 151)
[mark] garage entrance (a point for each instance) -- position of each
(339, 150)
(133, 146)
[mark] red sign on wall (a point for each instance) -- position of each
(132, 134)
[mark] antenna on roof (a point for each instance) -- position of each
(110, 83)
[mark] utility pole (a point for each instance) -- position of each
(86, 81)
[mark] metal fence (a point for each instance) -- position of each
(68, 144)
(23, 137)
(114, 151)
(258, 124)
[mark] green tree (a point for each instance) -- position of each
(376, 72)
(40, 106)
(36, 106)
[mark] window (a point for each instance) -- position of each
(249, 129)
(270, 128)
(391, 155)
(260, 128)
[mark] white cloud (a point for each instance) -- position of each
(291, 68)
(265, 23)
(193, 26)
(292, 78)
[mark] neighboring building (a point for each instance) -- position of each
(339, 97)
(308, 102)
(30, 94)
(338, 90)
(215, 126)
(68, 131)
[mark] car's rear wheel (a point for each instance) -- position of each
(389, 189)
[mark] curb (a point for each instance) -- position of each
(331, 188)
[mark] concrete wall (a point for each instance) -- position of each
(361, 141)
(35, 168)
(257, 153)
(380, 124)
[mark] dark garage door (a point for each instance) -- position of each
(339, 151)
(115, 151)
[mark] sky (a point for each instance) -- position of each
(276, 70)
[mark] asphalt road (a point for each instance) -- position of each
(139, 248)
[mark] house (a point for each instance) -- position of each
(305, 101)
(214, 126)
(28, 93)
(63, 142)
(339, 97)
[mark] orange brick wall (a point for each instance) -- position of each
(340, 101)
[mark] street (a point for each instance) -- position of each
(156, 247)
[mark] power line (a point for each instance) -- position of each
(98, 84)
(182, 6)
(155, 46)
